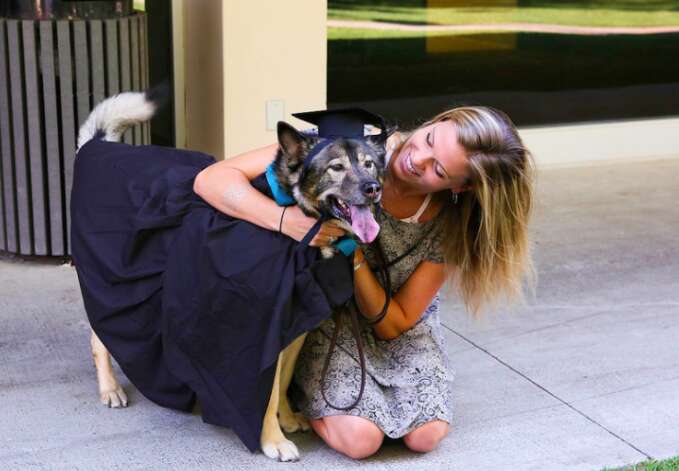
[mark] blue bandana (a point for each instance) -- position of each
(346, 244)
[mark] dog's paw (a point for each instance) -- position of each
(114, 398)
(283, 450)
(293, 422)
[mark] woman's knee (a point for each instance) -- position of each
(426, 437)
(353, 436)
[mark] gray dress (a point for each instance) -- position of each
(408, 381)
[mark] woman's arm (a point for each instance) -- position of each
(225, 185)
(407, 306)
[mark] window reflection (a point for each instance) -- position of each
(544, 62)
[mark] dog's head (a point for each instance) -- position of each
(343, 181)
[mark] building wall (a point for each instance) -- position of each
(178, 72)
(202, 74)
(240, 58)
(273, 51)
(591, 143)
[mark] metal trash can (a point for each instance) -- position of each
(58, 59)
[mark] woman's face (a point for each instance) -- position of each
(432, 160)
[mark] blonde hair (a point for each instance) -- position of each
(485, 234)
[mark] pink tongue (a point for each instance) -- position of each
(363, 223)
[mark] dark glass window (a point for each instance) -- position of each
(543, 62)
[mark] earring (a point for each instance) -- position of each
(454, 198)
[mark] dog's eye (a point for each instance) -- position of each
(368, 164)
(337, 167)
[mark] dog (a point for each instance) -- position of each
(343, 182)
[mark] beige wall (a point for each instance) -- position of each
(586, 144)
(178, 49)
(234, 56)
(201, 73)
(273, 50)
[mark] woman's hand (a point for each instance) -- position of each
(296, 225)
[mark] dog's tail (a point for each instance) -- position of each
(113, 116)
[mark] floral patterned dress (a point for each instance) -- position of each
(408, 381)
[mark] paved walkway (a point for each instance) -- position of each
(584, 376)
(510, 27)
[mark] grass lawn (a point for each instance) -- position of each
(671, 464)
(566, 12)
(360, 33)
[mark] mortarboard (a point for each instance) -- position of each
(344, 122)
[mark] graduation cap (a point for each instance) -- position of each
(344, 122)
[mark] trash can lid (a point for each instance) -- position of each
(66, 9)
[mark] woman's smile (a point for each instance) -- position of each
(407, 165)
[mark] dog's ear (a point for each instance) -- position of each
(292, 142)
(378, 142)
(381, 139)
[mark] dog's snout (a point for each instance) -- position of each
(371, 189)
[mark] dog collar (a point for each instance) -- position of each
(279, 194)
(346, 245)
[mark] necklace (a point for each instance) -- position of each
(395, 199)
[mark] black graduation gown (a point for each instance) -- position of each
(190, 302)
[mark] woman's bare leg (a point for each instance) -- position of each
(426, 437)
(353, 436)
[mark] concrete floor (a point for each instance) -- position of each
(585, 375)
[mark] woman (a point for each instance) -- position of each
(460, 188)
